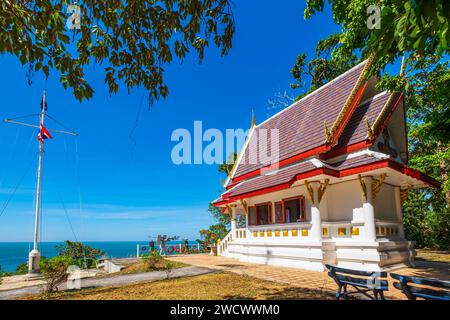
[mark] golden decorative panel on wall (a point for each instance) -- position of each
(294, 232)
(269, 233)
(285, 233)
(355, 231)
(324, 232)
(277, 233)
(342, 231)
(304, 232)
(261, 233)
(255, 234)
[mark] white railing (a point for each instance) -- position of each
(385, 228)
(222, 246)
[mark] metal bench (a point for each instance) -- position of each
(364, 282)
(408, 285)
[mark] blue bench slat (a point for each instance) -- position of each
(423, 281)
(361, 282)
(407, 285)
(382, 274)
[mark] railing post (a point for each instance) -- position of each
(138, 251)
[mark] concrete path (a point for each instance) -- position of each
(305, 278)
(119, 280)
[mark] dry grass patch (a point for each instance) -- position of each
(220, 286)
(142, 266)
(433, 256)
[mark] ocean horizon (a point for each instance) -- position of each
(12, 254)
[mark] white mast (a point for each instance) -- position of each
(35, 256)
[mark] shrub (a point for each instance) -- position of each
(84, 256)
(22, 268)
(168, 268)
(54, 271)
(429, 229)
(152, 260)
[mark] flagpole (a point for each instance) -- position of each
(35, 256)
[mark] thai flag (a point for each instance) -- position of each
(44, 134)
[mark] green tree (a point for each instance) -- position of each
(54, 271)
(130, 40)
(222, 226)
(83, 256)
(419, 27)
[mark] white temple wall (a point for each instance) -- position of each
(344, 201)
(384, 204)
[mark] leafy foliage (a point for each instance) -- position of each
(419, 27)
(54, 271)
(22, 268)
(222, 227)
(153, 259)
(427, 220)
(131, 40)
(82, 255)
(322, 68)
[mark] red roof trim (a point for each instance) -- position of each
(283, 163)
(384, 163)
(347, 149)
(365, 143)
(349, 113)
(388, 116)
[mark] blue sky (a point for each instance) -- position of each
(128, 187)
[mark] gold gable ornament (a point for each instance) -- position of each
(323, 188)
(310, 191)
(404, 194)
(370, 133)
(244, 204)
(363, 187)
(376, 185)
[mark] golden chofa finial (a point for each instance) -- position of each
(370, 133)
(326, 132)
(253, 119)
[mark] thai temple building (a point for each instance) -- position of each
(334, 194)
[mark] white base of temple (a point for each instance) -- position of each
(380, 255)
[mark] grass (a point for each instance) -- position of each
(433, 255)
(141, 266)
(221, 286)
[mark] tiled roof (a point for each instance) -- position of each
(356, 129)
(355, 162)
(301, 126)
(272, 179)
(286, 176)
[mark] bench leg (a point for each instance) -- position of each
(338, 293)
(345, 292)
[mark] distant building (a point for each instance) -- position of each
(335, 194)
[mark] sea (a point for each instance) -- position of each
(13, 254)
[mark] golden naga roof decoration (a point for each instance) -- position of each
(330, 134)
(376, 185)
(370, 133)
(380, 118)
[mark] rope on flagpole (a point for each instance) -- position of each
(16, 187)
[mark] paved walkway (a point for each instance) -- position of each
(305, 278)
(120, 280)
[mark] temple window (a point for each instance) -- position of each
(279, 212)
(294, 210)
(263, 213)
(251, 216)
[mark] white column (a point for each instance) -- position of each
(233, 223)
(399, 212)
(316, 221)
(369, 212)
